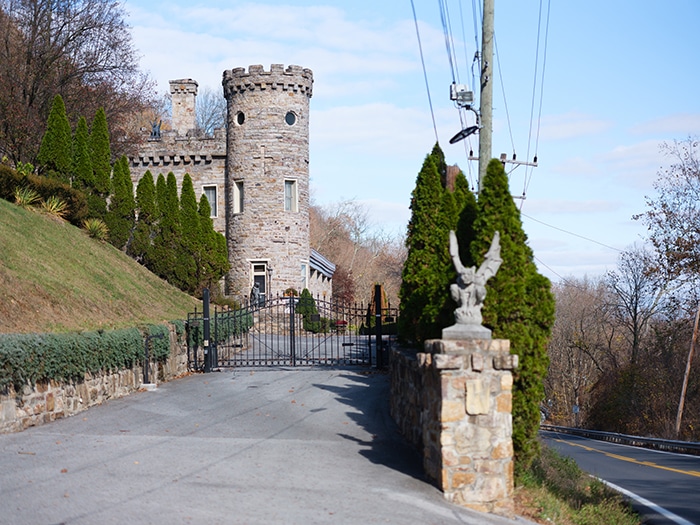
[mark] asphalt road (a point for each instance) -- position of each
(665, 485)
(250, 447)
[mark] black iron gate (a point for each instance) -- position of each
(290, 331)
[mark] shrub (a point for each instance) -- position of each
(224, 325)
(26, 196)
(45, 187)
(96, 228)
(159, 344)
(55, 206)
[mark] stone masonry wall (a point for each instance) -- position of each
(45, 402)
(204, 158)
(454, 403)
(268, 146)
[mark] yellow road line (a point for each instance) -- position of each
(632, 460)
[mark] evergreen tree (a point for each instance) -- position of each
(466, 202)
(423, 288)
(448, 218)
(140, 246)
(306, 307)
(55, 152)
(120, 217)
(214, 251)
(192, 241)
(439, 159)
(83, 178)
(101, 154)
(167, 248)
(519, 305)
(161, 196)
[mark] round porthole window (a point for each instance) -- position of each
(240, 118)
(290, 118)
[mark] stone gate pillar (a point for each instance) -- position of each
(467, 421)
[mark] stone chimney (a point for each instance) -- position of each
(184, 97)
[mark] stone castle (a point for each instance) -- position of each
(255, 175)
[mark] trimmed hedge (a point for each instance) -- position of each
(223, 325)
(34, 358)
(159, 346)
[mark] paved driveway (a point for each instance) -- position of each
(243, 447)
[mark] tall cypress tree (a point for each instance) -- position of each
(167, 246)
(519, 305)
(423, 288)
(192, 240)
(214, 256)
(83, 178)
(120, 217)
(466, 202)
(55, 153)
(101, 154)
(140, 246)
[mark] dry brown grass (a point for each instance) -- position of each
(55, 278)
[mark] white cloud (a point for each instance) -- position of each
(377, 129)
(679, 125)
(351, 56)
(571, 125)
(635, 164)
(575, 166)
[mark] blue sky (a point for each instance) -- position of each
(620, 78)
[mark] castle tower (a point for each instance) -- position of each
(267, 178)
(184, 96)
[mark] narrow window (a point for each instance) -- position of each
(290, 196)
(304, 275)
(259, 290)
(238, 196)
(210, 192)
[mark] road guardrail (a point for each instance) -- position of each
(668, 445)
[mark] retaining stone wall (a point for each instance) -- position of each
(453, 402)
(45, 402)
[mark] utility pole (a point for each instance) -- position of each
(486, 92)
(684, 388)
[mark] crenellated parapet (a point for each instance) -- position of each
(184, 86)
(293, 78)
(202, 157)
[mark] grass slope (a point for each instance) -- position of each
(54, 278)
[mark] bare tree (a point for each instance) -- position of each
(211, 110)
(579, 349)
(637, 294)
(363, 255)
(80, 49)
(673, 216)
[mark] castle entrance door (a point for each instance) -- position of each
(291, 332)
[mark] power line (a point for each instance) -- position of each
(425, 73)
(449, 44)
(527, 178)
(503, 90)
(571, 233)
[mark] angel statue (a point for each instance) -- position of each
(470, 289)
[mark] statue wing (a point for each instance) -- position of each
(492, 260)
(454, 252)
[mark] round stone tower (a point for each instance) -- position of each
(267, 178)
